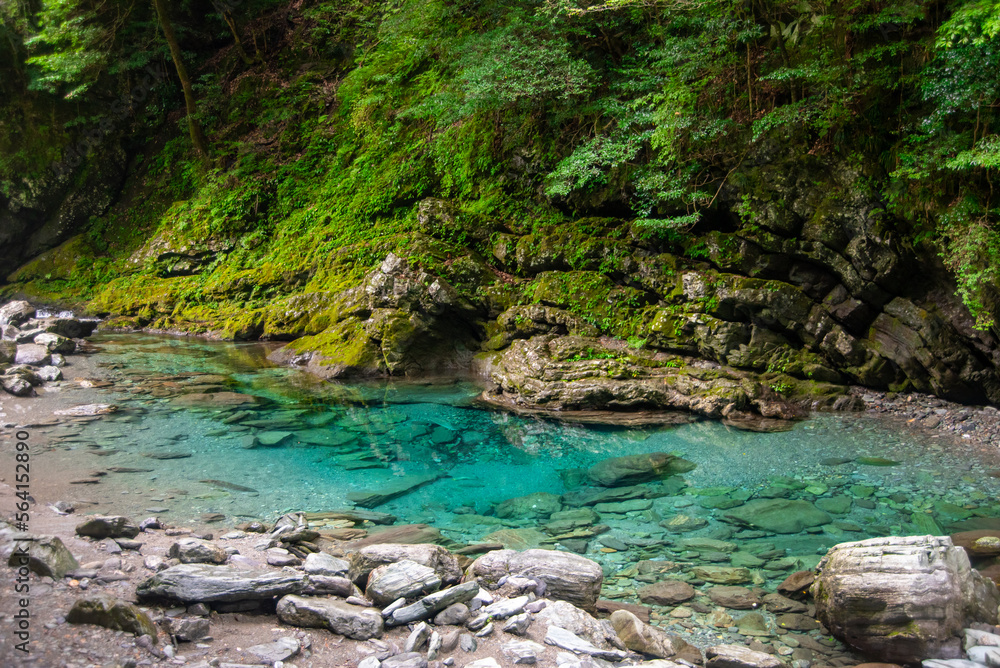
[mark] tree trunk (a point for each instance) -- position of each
(197, 137)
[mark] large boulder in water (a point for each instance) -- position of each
(567, 577)
(779, 515)
(902, 600)
(634, 469)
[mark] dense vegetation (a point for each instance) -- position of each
(328, 120)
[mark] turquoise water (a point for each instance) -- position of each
(349, 438)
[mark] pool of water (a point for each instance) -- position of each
(169, 451)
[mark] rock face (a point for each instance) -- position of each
(111, 613)
(567, 577)
(902, 600)
(634, 469)
(193, 583)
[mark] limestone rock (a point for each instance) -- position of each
(403, 579)
(353, 621)
(192, 583)
(111, 613)
(567, 577)
(44, 555)
(902, 600)
(643, 638)
(634, 469)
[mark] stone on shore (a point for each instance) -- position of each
(16, 313)
(567, 576)
(560, 637)
(111, 613)
(370, 557)
(634, 469)
(353, 621)
(196, 551)
(403, 579)
(32, 354)
(643, 638)
(193, 583)
(321, 563)
(16, 385)
(902, 600)
(54, 343)
(433, 603)
(110, 526)
(44, 555)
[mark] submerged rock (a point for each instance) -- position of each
(634, 469)
(778, 515)
(531, 506)
(902, 600)
(404, 485)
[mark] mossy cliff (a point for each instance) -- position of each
(403, 190)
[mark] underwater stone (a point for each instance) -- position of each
(633, 469)
(779, 515)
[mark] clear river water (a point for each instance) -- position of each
(181, 446)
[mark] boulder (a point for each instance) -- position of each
(187, 629)
(32, 355)
(643, 638)
(667, 592)
(44, 555)
(560, 637)
(634, 469)
(16, 385)
(196, 551)
(16, 313)
(55, 343)
(353, 621)
(531, 506)
(193, 583)
(321, 563)
(734, 598)
(277, 651)
(736, 656)
(902, 600)
(110, 526)
(370, 557)
(403, 579)
(8, 351)
(573, 619)
(111, 613)
(567, 577)
(49, 374)
(778, 515)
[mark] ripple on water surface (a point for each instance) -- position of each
(212, 428)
